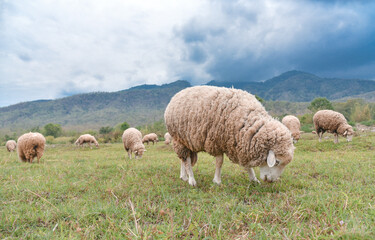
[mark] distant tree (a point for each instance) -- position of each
(124, 126)
(259, 98)
(51, 129)
(35, 129)
(105, 130)
(320, 104)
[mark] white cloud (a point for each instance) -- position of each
(52, 48)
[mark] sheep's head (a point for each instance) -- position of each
(296, 136)
(277, 159)
(139, 152)
(349, 134)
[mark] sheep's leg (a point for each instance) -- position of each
(219, 163)
(252, 176)
(189, 170)
(320, 136)
(336, 138)
(183, 174)
(130, 154)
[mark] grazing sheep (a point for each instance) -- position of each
(132, 139)
(167, 138)
(151, 137)
(30, 145)
(87, 138)
(293, 124)
(222, 120)
(11, 145)
(332, 122)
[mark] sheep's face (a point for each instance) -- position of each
(274, 167)
(349, 134)
(139, 153)
(296, 137)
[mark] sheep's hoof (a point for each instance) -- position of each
(255, 180)
(192, 182)
(184, 178)
(218, 182)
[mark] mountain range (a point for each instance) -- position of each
(145, 104)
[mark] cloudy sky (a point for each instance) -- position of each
(52, 49)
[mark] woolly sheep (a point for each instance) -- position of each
(167, 138)
(220, 120)
(293, 124)
(11, 145)
(332, 122)
(132, 139)
(30, 145)
(151, 137)
(87, 138)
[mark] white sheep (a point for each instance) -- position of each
(332, 122)
(151, 137)
(30, 145)
(11, 145)
(294, 125)
(132, 139)
(227, 121)
(167, 138)
(87, 138)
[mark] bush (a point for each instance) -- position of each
(320, 104)
(49, 139)
(306, 118)
(307, 127)
(368, 123)
(51, 129)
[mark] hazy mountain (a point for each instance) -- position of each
(146, 103)
(296, 86)
(139, 105)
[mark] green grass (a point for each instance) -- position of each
(327, 192)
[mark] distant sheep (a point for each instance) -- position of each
(30, 145)
(227, 121)
(167, 138)
(11, 145)
(151, 137)
(293, 124)
(132, 139)
(332, 122)
(87, 138)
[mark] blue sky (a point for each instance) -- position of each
(51, 49)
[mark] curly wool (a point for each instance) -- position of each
(30, 145)
(132, 140)
(222, 120)
(167, 138)
(86, 138)
(293, 124)
(11, 145)
(151, 137)
(332, 122)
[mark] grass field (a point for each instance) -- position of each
(327, 192)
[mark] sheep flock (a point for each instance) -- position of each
(217, 120)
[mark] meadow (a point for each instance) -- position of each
(326, 192)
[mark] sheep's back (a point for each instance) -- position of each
(328, 120)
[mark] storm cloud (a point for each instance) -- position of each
(51, 49)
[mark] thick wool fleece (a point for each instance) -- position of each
(132, 139)
(30, 145)
(87, 138)
(167, 138)
(11, 145)
(293, 124)
(151, 137)
(332, 122)
(222, 120)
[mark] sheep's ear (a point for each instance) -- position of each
(346, 132)
(271, 159)
(135, 151)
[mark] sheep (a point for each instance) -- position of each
(132, 139)
(87, 138)
(167, 138)
(221, 120)
(11, 145)
(30, 145)
(332, 122)
(151, 137)
(293, 124)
